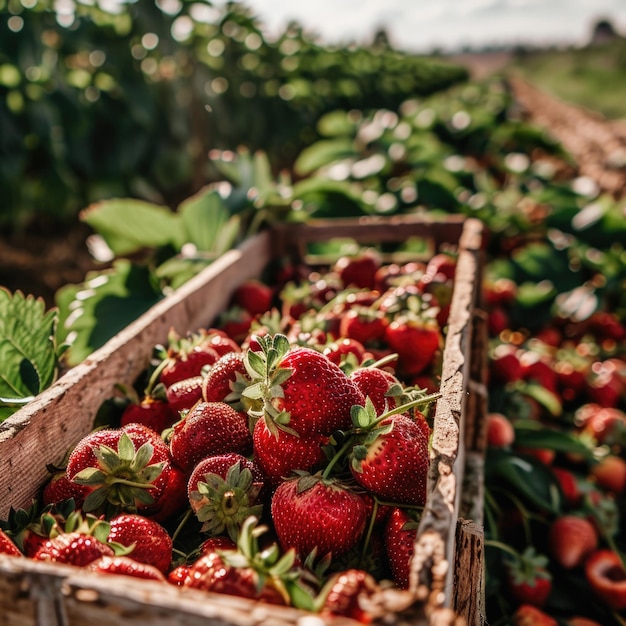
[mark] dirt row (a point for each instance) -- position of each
(597, 145)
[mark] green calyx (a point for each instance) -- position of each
(267, 380)
(123, 477)
(224, 504)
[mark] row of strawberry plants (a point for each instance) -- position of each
(281, 455)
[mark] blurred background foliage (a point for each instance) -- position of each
(102, 100)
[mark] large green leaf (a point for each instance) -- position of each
(28, 349)
(95, 311)
(532, 434)
(129, 225)
(524, 475)
(205, 219)
(324, 153)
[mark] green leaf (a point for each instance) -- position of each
(530, 434)
(129, 225)
(336, 123)
(205, 221)
(28, 348)
(96, 310)
(323, 153)
(142, 456)
(528, 477)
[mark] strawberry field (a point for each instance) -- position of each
(286, 451)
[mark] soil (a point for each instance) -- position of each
(45, 258)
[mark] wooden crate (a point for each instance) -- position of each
(447, 572)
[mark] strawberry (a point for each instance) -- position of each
(440, 287)
(441, 263)
(151, 411)
(342, 594)
(500, 291)
(74, 548)
(606, 575)
(581, 621)
(225, 380)
(220, 342)
(416, 339)
(381, 386)
(173, 498)
(343, 349)
(209, 428)
(183, 394)
(254, 296)
(311, 512)
(185, 356)
(527, 577)
(223, 491)
(236, 322)
(498, 320)
(152, 545)
(606, 425)
(364, 324)
(400, 532)
(215, 544)
(178, 575)
(529, 615)
(298, 389)
(391, 458)
(571, 539)
(279, 453)
(358, 270)
(126, 566)
(539, 369)
(569, 484)
(60, 488)
(249, 572)
(610, 474)
(500, 431)
(7, 547)
(125, 468)
(606, 382)
(504, 364)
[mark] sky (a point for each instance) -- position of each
(448, 25)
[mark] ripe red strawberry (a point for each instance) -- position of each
(344, 349)
(504, 364)
(342, 594)
(7, 546)
(298, 388)
(416, 340)
(539, 369)
(185, 357)
(606, 575)
(391, 460)
(125, 468)
(223, 491)
(183, 394)
(441, 263)
(359, 270)
(382, 387)
(173, 498)
(606, 382)
(311, 512)
(279, 453)
(400, 533)
(60, 488)
(236, 322)
(178, 575)
(254, 296)
(500, 431)
(571, 539)
(569, 484)
(528, 579)
(150, 411)
(126, 566)
(221, 381)
(499, 291)
(152, 543)
(364, 324)
(215, 544)
(74, 548)
(610, 474)
(529, 615)
(220, 342)
(208, 429)
(606, 425)
(249, 572)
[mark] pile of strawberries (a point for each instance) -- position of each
(281, 455)
(555, 467)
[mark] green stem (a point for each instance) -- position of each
(346, 446)
(180, 526)
(502, 546)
